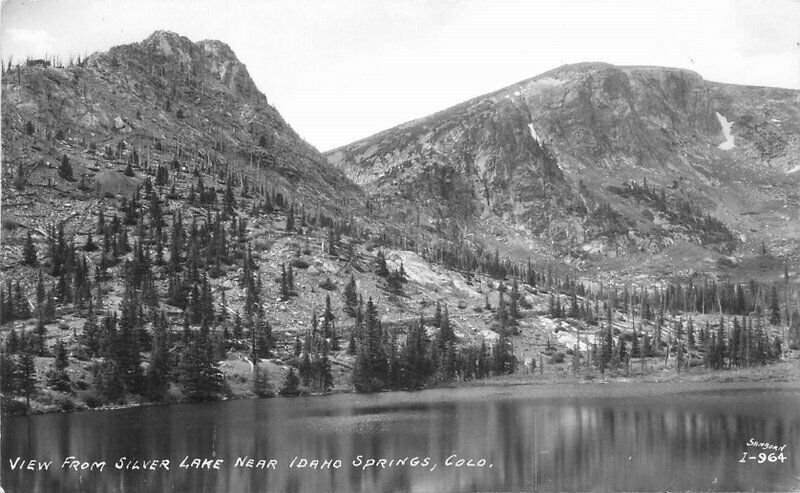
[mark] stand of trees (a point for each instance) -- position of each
(383, 361)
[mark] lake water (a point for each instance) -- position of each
(619, 437)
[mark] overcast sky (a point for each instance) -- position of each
(341, 70)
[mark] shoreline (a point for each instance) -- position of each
(784, 374)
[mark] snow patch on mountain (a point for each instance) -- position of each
(534, 134)
(726, 132)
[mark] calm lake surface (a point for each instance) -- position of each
(616, 437)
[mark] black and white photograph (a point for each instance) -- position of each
(417, 246)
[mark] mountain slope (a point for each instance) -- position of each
(538, 157)
(164, 100)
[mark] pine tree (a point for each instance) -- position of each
(502, 314)
(107, 381)
(285, 290)
(324, 369)
(19, 178)
(65, 168)
(503, 356)
(26, 376)
(8, 373)
(635, 350)
(416, 365)
(12, 342)
(381, 268)
(290, 280)
(371, 369)
(199, 376)
(29, 252)
(40, 334)
(263, 341)
(290, 218)
(327, 319)
(573, 305)
(101, 222)
(774, 307)
(58, 378)
(606, 349)
(90, 245)
(647, 346)
(157, 376)
(291, 384)
(229, 200)
(128, 347)
(261, 385)
(331, 242)
(395, 282)
(350, 297)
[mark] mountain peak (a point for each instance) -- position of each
(210, 61)
(167, 42)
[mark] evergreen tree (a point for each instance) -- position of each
(285, 289)
(331, 242)
(774, 307)
(513, 306)
(503, 360)
(290, 218)
(606, 349)
(261, 385)
(381, 268)
(635, 350)
(12, 342)
(8, 373)
(306, 369)
(371, 369)
(107, 381)
(157, 376)
(199, 376)
(290, 280)
(29, 252)
(395, 282)
(263, 341)
(324, 369)
(416, 365)
(58, 378)
(21, 305)
(502, 314)
(65, 168)
(40, 334)
(350, 297)
(679, 356)
(26, 376)
(647, 346)
(291, 384)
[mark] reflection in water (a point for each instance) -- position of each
(675, 441)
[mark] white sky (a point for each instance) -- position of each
(341, 70)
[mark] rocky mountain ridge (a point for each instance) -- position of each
(164, 100)
(537, 158)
